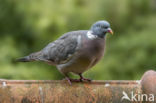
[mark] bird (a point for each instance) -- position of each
(75, 51)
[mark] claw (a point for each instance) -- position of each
(84, 79)
(72, 80)
(75, 80)
(69, 81)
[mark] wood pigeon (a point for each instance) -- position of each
(75, 51)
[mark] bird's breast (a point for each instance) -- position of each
(92, 50)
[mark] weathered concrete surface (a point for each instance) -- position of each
(13, 91)
(46, 91)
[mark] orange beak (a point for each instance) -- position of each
(110, 31)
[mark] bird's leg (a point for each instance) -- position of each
(71, 80)
(75, 80)
(84, 79)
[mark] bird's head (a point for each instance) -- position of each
(100, 28)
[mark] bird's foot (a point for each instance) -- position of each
(69, 81)
(72, 80)
(85, 79)
(75, 80)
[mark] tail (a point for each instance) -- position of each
(23, 59)
(32, 57)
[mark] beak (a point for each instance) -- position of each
(110, 31)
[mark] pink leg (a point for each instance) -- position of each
(84, 79)
(72, 80)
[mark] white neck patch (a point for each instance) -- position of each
(90, 35)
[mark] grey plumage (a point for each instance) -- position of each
(75, 51)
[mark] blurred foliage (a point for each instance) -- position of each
(28, 25)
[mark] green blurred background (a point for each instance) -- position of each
(27, 26)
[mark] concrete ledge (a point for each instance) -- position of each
(49, 91)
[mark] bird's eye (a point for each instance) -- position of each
(105, 27)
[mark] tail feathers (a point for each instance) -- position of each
(32, 57)
(23, 59)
